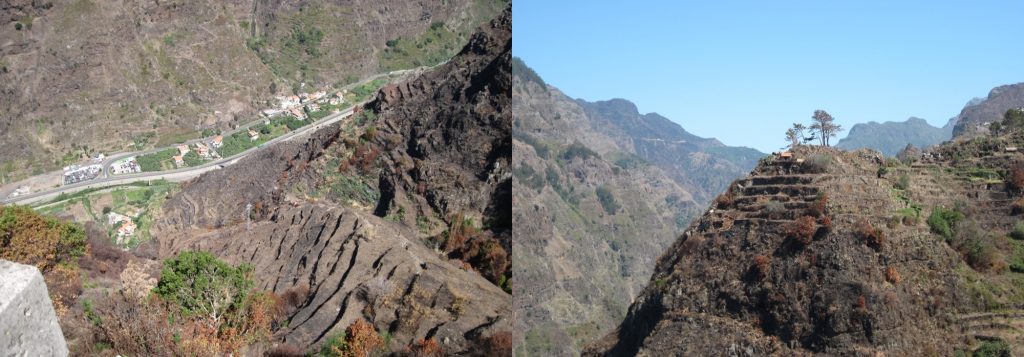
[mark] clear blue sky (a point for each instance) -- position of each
(744, 71)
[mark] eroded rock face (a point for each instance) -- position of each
(447, 137)
(356, 265)
(453, 122)
(28, 324)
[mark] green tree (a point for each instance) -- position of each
(202, 285)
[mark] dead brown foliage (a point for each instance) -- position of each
(498, 344)
(361, 339)
(426, 348)
(873, 237)
(762, 266)
(802, 230)
(817, 209)
(892, 276)
(1015, 178)
(480, 249)
(725, 200)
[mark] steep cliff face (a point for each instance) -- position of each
(704, 166)
(825, 253)
(972, 119)
(95, 75)
(441, 149)
(595, 202)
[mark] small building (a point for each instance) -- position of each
(218, 141)
(1011, 149)
(202, 150)
(298, 113)
(253, 135)
(127, 228)
(183, 149)
(786, 155)
(178, 160)
(312, 107)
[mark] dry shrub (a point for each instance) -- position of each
(802, 230)
(892, 276)
(30, 238)
(294, 296)
(364, 156)
(1015, 178)
(344, 166)
(725, 200)
(1017, 206)
(498, 344)
(361, 339)
(826, 222)
(465, 242)
(426, 348)
(135, 281)
(64, 283)
(818, 208)
(762, 266)
(151, 326)
(862, 304)
(872, 236)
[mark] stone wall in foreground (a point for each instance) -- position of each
(28, 324)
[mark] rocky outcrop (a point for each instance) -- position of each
(445, 144)
(973, 118)
(446, 136)
(355, 265)
(28, 324)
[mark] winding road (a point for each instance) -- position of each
(175, 175)
(107, 179)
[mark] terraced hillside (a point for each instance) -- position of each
(81, 77)
(845, 253)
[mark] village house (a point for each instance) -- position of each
(218, 141)
(183, 149)
(312, 107)
(287, 102)
(298, 113)
(202, 150)
(127, 228)
(253, 135)
(178, 160)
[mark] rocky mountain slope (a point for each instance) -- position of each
(431, 158)
(972, 118)
(891, 137)
(830, 253)
(86, 76)
(592, 207)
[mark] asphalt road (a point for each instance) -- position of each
(187, 173)
(176, 175)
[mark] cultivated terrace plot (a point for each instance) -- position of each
(126, 213)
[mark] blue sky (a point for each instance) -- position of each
(744, 71)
